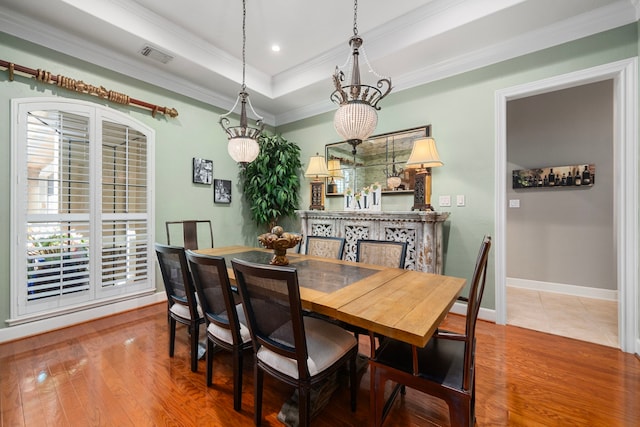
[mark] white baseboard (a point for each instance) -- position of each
(484, 314)
(560, 288)
(40, 326)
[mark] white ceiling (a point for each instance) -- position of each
(412, 41)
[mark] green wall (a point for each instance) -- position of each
(194, 133)
(460, 108)
(461, 111)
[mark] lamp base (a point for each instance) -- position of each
(422, 191)
(317, 196)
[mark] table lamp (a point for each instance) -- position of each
(335, 172)
(424, 156)
(317, 169)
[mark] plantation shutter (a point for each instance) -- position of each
(125, 231)
(82, 208)
(58, 204)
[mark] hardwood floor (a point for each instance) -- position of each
(116, 372)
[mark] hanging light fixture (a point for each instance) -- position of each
(356, 118)
(243, 140)
(393, 178)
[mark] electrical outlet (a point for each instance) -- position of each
(444, 201)
(460, 200)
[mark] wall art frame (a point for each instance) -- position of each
(202, 171)
(572, 176)
(222, 191)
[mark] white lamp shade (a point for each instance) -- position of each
(243, 149)
(355, 120)
(424, 154)
(317, 167)
(335, 169)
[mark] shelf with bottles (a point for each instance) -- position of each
(572, 176)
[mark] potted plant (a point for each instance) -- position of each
(271, 183)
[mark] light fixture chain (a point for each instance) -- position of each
(355, 17)
(244, 41)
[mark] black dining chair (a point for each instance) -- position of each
(226, 324)
(189, 232)
(183, 306)
(444, 368)
(384, 253)
(298, 350)
(325, 246)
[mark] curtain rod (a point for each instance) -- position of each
(82, 87)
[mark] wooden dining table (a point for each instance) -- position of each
(401, 304)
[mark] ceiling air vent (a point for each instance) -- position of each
(153, 53)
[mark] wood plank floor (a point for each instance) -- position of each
(116, 372)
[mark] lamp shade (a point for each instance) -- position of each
(424, 154)
(243, 149)
(355, 120)
(335, 170)
(317, 167)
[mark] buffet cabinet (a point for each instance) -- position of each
(422, 230)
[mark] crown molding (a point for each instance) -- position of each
(60, 41)
(587, 24)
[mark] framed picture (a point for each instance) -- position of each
(202, 171)
(572, 176)
(221, 191)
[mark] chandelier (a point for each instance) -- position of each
(243, 140)
(393, 178)
(356, 117)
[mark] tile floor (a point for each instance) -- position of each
(586, 319)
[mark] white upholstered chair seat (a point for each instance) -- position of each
(225, 334)
(326, 343)
(183, 311)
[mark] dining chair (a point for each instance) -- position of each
(444, 368)
(298, 350)
(385, 253)
(324, 246)
(189, 231)
(226, 324)
(183, 306)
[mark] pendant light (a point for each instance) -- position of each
(243, 144)
(356, 118)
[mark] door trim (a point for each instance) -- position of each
(624, 74)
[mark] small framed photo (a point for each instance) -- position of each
(221, 191)
(202, 171)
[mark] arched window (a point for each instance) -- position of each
(82, 207)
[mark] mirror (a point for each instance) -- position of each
(381, 158)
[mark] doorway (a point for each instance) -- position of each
(561, 275)
(624, 75)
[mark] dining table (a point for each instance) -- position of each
(402, 304)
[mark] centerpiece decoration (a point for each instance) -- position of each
(279, 240)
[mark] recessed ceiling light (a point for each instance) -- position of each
(275, 48)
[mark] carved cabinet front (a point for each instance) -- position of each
(422, 230)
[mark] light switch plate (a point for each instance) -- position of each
(460, 200)
(444, 201)
(514, 203)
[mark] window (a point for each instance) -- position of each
(81, 207)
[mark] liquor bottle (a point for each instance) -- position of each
(545, 181)
(577, 180)
(569, 179)
(552, 178)
(586, 176)
(564, 179)
(540, 182)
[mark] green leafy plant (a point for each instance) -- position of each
(271, 183)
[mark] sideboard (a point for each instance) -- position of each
(422, 230)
